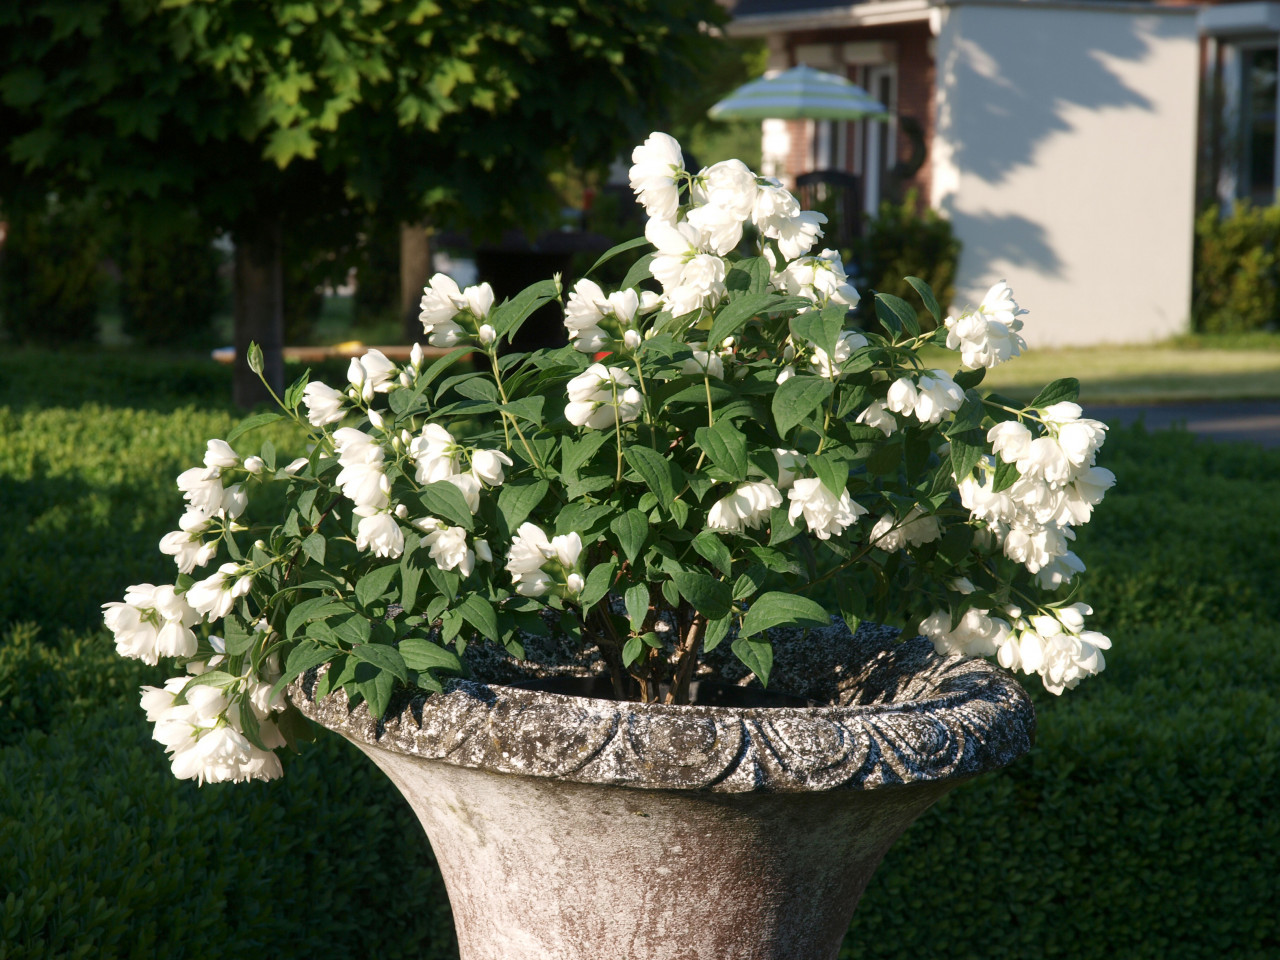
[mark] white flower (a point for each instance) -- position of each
(380, 533)
(234, 500)
(361, 479)
(656, 164)
(152, 622)
(976, 635)
(470, 488)
(729, 185)
(703, 363)
(479, 300)
(832, 367)
(324, 404)
(441, 302)
(719, 230)
(595, 393)
(586, 308)
(218, 453)
(785, 373)
(1046, 460)
(295, 466)
(448, 548)
(1010, 440)
(927, 398)
(747, 506)
(214, 596)
(789, 464)
(891, 534)
(777, 215)
(821, 279)
(372, 373)
(690, 278)
(202, 489)
(486, 466)
(824, 513)
(876, 415)
(435, 453)
(1059, 571)
(797, 235)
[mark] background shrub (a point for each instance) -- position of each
(168, 281)
(51, 283)
(902, 240)
(1237, 274)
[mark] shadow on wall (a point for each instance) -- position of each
(1012, 239)
(995, 122)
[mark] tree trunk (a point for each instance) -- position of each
(259, 315)
(415, 271)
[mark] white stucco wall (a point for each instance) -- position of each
(1064, 156)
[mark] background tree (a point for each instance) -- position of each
(280, 119)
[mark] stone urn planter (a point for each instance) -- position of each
(570, 826)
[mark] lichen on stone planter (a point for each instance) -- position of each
(578, 827)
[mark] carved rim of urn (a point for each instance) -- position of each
(870, 712)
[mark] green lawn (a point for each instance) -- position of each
(1201, 368)
(1142, 825)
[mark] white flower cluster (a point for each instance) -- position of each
(601, 396)
(722, 199)
(927, 397)
(202, 725)
(538, 565)
(748, 505)
(207, 500)
(988, 336)
(152, 622)
(1053, 643)
(1057, 488)
(589, 307)
(441, 304)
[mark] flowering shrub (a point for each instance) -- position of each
(705, 461)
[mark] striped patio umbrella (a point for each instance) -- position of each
(801, 93)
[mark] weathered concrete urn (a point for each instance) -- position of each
(569, 827)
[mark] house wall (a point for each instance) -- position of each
(1064, 156)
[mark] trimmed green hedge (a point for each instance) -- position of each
(1140, 826)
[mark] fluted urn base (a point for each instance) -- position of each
(576, 828)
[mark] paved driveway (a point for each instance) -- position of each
(1251, 421)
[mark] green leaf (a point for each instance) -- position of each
(748, 276)
(890, 308)
(632, 529)
(757, 655)
(446, 501)
(716, 631)
(575, 453)
(709, 596)
(781, 529)
(507, 318)
(410, 573)
(517, 501)
(480, 614)
(751, 581)
(526, 408)
(374, 584)
(712, 549)
(1006, 476)
(314, 547)
(797, 398)
(776, 609)
(420, 654)
(967, 451)
(821, 328)
(317, 608)
(631, 651)
(377, 692)
(382, 657)
(305, 655)
(727, 448)
(253, 423)
(968, 379)
(598, 582)
(438, 367)
(833, 473)
(655, 470)
(955, 543)
(885, 459)
(639, 272)
(926, 295)
(637, 602)
(739, 311)
(1064, 389)
(614, 251)
(293, 396)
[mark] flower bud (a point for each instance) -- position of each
(487, 334)
(297, 465)
(401, 511)
(375, 418)
(254, 465)
(415, 356)
(631, 339)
